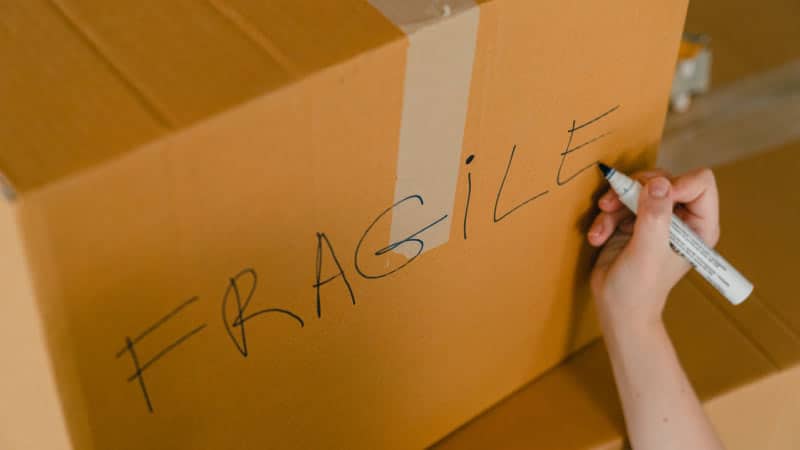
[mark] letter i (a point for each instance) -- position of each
(470, 158)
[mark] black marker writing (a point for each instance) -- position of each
(139, 369)
(234, 290)
(470, 158)
(500, 192)
(569, 149)
(321, 237)
(242, 287)
(412, 238)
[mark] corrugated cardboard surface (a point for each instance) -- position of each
(120, 234)
(741, 360)
(92, 79)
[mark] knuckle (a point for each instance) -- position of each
(707, 175)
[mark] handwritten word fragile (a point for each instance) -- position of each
(237, 311)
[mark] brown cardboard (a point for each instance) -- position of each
(764, 414)
(742, 360)
(261, 144)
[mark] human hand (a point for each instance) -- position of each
(636, 268)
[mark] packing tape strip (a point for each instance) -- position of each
(436, 97)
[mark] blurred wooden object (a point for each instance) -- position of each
(734, 121)
(692, 73)
(754, 101)
(747, 37)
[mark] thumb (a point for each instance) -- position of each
(653, 217)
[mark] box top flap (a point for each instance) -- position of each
(92, 79)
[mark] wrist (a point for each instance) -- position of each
(636, 316)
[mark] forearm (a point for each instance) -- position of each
(661, 409)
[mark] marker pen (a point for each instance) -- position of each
(713, 267)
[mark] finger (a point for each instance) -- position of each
(615, 244)
(610, 200)
(604, 225)
(697, 191)
(651, 230)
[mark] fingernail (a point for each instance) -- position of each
(658, 187)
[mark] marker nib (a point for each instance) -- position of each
(604, 168)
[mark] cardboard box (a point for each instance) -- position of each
(295, 224)
(742, 360)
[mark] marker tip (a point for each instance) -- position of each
(604, 168)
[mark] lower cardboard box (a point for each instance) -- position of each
(742, 360)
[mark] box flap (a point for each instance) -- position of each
(92, 79)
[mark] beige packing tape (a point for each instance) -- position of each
(436, 97)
